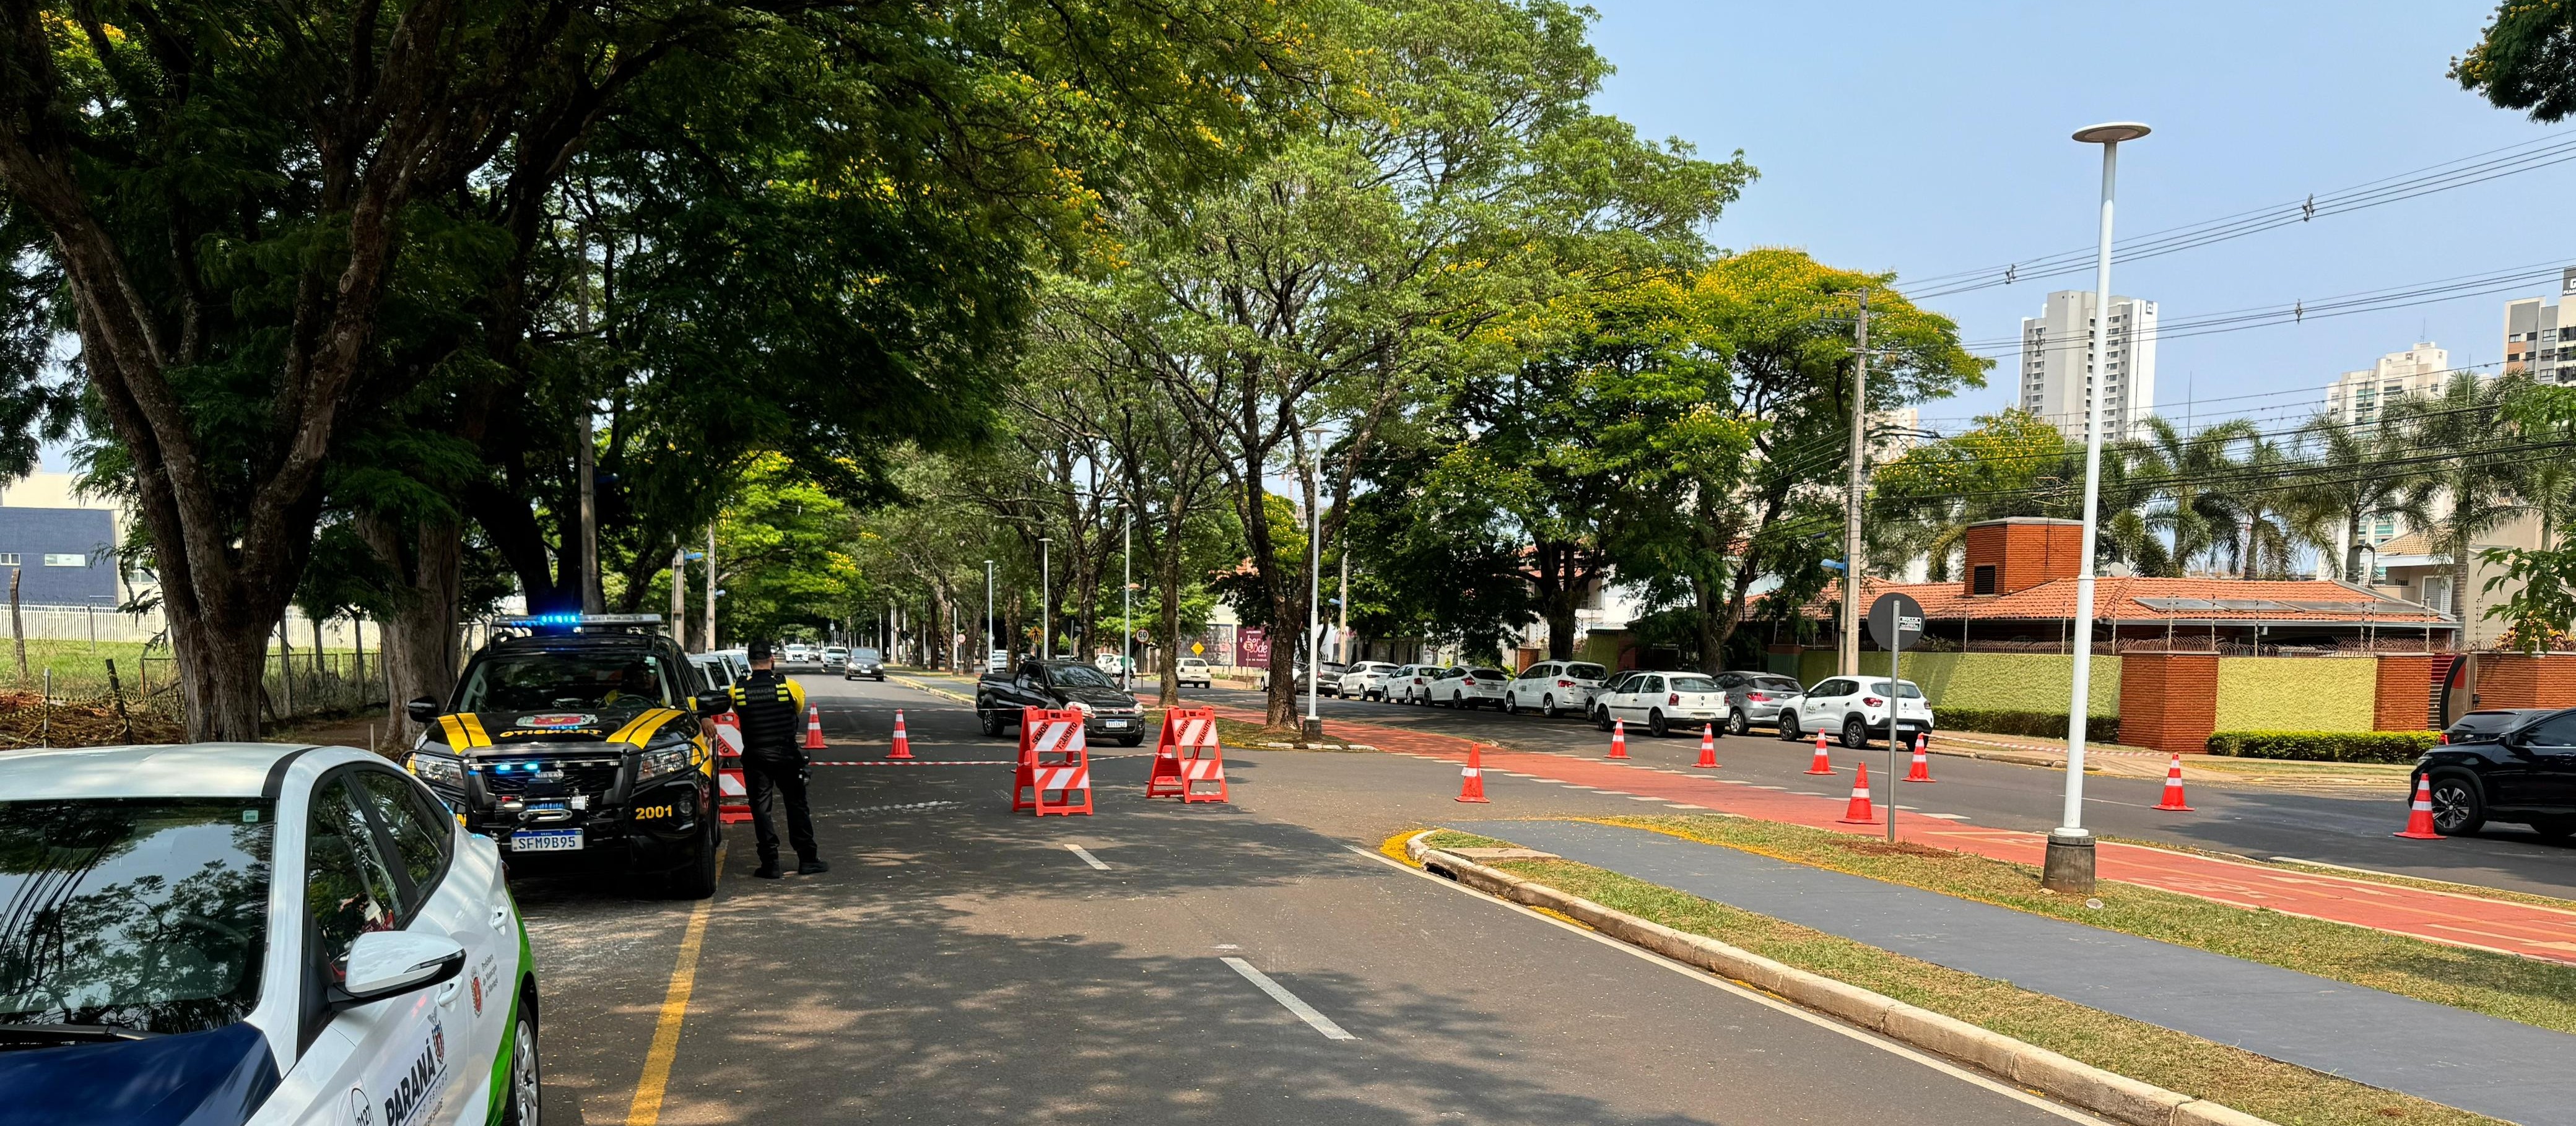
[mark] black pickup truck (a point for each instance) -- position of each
(1060, 684)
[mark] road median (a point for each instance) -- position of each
(2301, 1095)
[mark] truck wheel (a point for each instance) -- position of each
(697, 878)
(991, 720)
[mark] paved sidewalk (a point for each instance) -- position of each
(2496, 1067)
(2446, 917)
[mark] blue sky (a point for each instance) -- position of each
(1929, 138)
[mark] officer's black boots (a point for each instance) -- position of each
(812, 868)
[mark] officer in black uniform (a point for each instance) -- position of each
(772, 708)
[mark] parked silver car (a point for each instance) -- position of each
(1757, 698)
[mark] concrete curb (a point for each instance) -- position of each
(2081, 1084)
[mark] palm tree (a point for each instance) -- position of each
(2473, 479)
(2352, 475)
(2191, 468)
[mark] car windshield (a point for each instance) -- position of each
(149, 915)
(1581, 671)
(1079, 676)
(611, 683)
(863, 654)
(1694, 684)
(1908, 690)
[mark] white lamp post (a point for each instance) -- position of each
(1046, 612)
(2069, 864)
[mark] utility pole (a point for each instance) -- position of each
(988, 615)
(1127, 590)
(1850, 657)
(1046, 594)
(680, 596)
(1314, 582)
(710, 635)
(1342, 633)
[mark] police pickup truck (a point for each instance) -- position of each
(575, 745)
(1110, 713)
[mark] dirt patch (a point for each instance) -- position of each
(27, 720)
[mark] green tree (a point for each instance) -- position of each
(2353, 474)
(2471, 472)
(2525, 59)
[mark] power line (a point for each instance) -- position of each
(2475, 169)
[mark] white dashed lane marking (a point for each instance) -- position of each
(1087, 858)
(1279, 993)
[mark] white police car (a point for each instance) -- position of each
(253, 933)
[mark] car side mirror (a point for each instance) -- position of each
(390, 963)
(423, 710)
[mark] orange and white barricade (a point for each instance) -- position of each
(1187, 756)
(1053, 760)
(733, 796)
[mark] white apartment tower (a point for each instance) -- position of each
(2056, 349)
(2360, 397)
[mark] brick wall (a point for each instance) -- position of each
(2404, 699)
(2168, 701)
(2515, 681)
(2023, 553)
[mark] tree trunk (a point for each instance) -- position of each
(1167, 576)
(419, 636)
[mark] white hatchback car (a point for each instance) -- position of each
(1411, 684)
(1663, 701)
(1366, 680)
(1853, 708)
(325, 944)
(1468, 686)
(1191, 670)
(1555, 687)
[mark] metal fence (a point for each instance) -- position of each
(292, 685)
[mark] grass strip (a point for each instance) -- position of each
(2498, 985)
(2284, 1093)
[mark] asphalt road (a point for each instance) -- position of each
(2245, 819)
(960, 964)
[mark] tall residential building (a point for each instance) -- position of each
(2056, 350)
(2533, 341)
(2360, 397)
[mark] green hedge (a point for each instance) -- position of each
(2042, 725)
(2324, 746)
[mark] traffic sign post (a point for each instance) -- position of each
(1895, 621)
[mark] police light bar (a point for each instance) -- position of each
(575, 619)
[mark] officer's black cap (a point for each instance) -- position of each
(759, 651)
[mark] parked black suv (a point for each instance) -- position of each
(1113, 714)
(2504, 765)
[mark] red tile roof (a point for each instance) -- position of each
(2118, 598)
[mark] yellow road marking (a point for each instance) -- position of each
(646, 1109)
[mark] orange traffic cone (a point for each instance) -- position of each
(1860, 812)
(2419, 821)
(902, 742)
(813, 727)
(1707, 746)
(1921, 770)
(1824, 763)
(2173, 787)
(1618, 739)
(1471, 781)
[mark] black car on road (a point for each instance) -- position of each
(1111, 713)
(2504, 765)
(863, 662)
(577, 745)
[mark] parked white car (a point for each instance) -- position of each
(1469, 686)
(1366, 680)
(1555, 688)
(1411, 684)
(256, 933)
(1664, 701)
(1855, 708)
(1191, 670)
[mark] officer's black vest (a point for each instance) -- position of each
(768, 713)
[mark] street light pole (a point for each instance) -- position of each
(1046, 594)
(988, 616)
(1859, 480)
(1127, 589)
(2069, 863)
(1314, 582)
